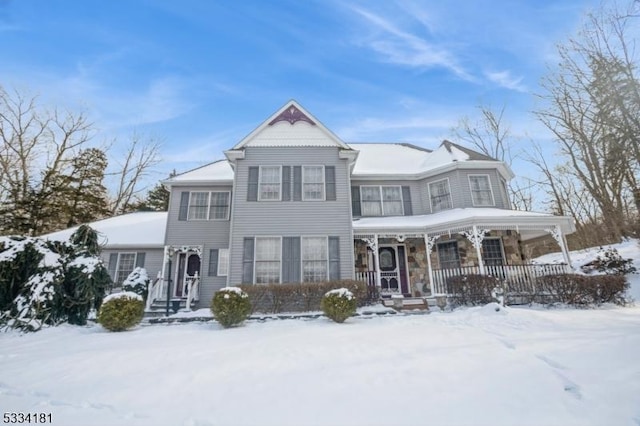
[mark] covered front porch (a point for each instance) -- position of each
(417, 255)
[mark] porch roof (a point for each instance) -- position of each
(459, 219)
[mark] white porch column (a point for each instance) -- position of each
(429, 243)
(476, 236)
(557, 235)
(374, 247)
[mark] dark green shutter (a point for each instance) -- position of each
(406, 201)
(286, 183)
(355, 201)
(113, 262)
(252, 189)
(297, 183)
(247, 261)
(140, 259)
(290, 259)
(330, 182)
(334, 258)
(184, 205)
(213, 262)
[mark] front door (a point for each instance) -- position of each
(188, 265)
(393, 270)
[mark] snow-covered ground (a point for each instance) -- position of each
(476, 366)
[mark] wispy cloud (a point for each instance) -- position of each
(506, 80)
(404, 48)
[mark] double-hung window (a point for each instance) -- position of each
(198, 205)
(209, 205)
(267, 263)
(314, 259)
(448, 255)
(440, 195)
(312, 183)
(481, 194)
(125, 266)
(381, 200)
(223, 262)
(269, 184)
(492, 253)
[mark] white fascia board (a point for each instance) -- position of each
(502, 168)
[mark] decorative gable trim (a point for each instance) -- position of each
(292, 114)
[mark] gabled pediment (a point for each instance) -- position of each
(291, 126)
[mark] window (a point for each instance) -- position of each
(492, 254)
(314, 259)
(198, 205)
(381, 200)
(448, 255)
(440, 195)
(481, 194)
(223, 262)
(267, 260)
(312, 183)
(219, 208)
(209, 205)
(269, 183)
(125, 266)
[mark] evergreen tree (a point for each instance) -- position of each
(87, 196)
(158, 199)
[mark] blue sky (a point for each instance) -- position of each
(200, 75)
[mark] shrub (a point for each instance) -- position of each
(230, 306)
(472, 289)
(609, 262)
(303, 297)
(339, 304)
(574, 289)
(137, 282)
(121, 311)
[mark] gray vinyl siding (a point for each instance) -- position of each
(152, 258)
(417, 204)
(291, 218)
(210, 234)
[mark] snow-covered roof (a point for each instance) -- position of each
(141, 229)
(217, 171)
(460, 217)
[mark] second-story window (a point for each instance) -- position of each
(209, 205)
(312, 183)
(269, 184)
(381, 200)
(440, 195)
(481, 194)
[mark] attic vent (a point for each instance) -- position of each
(292, 115)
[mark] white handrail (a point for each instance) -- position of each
(192, 289)
(154, 291)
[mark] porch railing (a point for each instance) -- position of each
(191, 289)
(155, 291)
(518, 278)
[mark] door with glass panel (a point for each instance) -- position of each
(393, 270)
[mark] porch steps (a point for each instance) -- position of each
(408, 303)
(159, 308)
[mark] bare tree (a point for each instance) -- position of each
(142, 154)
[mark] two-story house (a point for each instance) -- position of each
(292, 202)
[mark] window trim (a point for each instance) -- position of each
(135, 259)
(209, 197)
(279, 182)
(323, 183)
(430, 197)
(326, 246)
(255, 256)
(382, 212)
(220, 274)
(473, 202)
(502, 252)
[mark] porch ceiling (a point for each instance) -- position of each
(531, 224)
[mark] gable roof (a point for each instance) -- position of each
(291, 126)
(132, 230)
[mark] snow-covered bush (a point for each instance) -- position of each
(472, 289)
(230, 306)
(121, 311)
(49, 282)
(609, 262)
(339, 304)
(137, 282)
